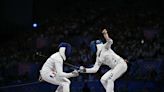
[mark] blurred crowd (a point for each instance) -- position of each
(136, 36)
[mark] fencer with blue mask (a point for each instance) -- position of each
(106, 56)
(52, 70)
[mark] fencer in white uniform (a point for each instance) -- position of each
(106, 56)
(52, 70)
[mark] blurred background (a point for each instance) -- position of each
(32, 26)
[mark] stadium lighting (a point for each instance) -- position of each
(35, 25)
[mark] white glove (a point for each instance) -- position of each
(82, 69)
(75, 73)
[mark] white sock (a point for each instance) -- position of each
(110, 86)
(104, 83)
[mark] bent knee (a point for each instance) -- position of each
(66, 83)
(69, 82)
(102, 80)
(125, 67)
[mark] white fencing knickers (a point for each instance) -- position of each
(50, 77)
(109, 77)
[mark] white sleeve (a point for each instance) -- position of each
(108, 43)
(95, 68)
(59, 70)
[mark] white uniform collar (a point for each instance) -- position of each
(62, 53)
(99, 47)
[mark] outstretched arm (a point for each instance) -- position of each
(107, 38)
(94, 69)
